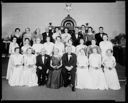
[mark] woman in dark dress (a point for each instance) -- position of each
(18, 35)
(55, 77)
(90, 36)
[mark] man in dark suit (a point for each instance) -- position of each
(76, 36)
(43, 65)
(46, 34)
(99, 36)
(69, 61)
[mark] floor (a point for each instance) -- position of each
(43, 93)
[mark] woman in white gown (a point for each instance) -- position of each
(93, 44)
(57, 33)
(104, 45)
(29, 77)
(110, 72)
(14, 69)
(37, 46)
(66, 36)
(96, 72)
(16, 61)
(48, 46)
(27, 34)
(13, 45)
(72, 46)
(58, 44)
(36, 34)
(26, 46)
(81, 46)
(83, 80)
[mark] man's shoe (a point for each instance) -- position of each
(73, 88)
(65, 85)
(43, 83)
(39, 84)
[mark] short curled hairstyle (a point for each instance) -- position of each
(109, 50)
(17, 48)
(17, 29)
(101, 27)
(58, 37)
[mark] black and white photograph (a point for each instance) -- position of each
(64, 51)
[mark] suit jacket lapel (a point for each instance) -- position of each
(70, 58)
(67, 57)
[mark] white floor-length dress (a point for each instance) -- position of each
(29, 77)
(83, 78)
(97, 74)
(16, 63)
(111, 74)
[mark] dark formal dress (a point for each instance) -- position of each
(90, 37)
(55, 77)
(44, 62)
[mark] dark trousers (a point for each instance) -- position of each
(41, 74)
(66, 74)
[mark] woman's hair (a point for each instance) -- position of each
(83, 25)
(90, 28)
(105, 35)
(94, 48)
(16, 49)
(56, 28)
(29, 48)
(82, 49)
(28, 39)
(27, 28)
(66, 28)
(93, 39)
(58, 37)
(109, 50)
(14, 37)
(101, 27)
(35, 31)
(17, 29)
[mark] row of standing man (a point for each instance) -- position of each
(64, 33)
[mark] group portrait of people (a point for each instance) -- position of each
(59, 58)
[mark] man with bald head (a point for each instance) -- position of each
(43, 65)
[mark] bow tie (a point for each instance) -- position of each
(69, 54)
